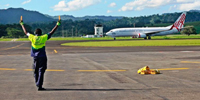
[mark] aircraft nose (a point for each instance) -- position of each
(108, 34)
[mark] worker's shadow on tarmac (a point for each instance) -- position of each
(92, 89)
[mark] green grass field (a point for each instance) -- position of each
(110, 38)
(185, 42)
(170, 40)
(118, 38)
(7, 39)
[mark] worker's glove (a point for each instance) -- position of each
(21, 22)
(58, 23)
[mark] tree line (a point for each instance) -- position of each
(70, 28)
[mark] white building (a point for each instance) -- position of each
(98, 29)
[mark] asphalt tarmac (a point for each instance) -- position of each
(101, 73)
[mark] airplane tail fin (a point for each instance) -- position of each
(179, 22)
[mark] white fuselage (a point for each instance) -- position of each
(134, 32)
(148, 32)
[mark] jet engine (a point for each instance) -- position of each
(140, 35)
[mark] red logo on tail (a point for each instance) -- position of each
(179, 23)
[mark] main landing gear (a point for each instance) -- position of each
(149, 37)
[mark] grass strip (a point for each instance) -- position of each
(7, 39)
(187, 42)
(110, 38)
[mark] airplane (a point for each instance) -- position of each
(149, 31)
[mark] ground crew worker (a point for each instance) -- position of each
(38, 52)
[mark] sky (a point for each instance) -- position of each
(80, 8)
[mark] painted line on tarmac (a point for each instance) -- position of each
(101, 70)
(189, 62)
(53, 70)
(174, 69)
(13, 47)
(15, 55)
(186, 51)
(7, 69)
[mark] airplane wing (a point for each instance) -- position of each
(154, 32)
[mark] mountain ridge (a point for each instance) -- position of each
(12, 16)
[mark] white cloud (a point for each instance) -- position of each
(61, 4)
(142, 4)
(112, 4)
(7, 5)
(146, 4)
(172, 7)
(189, 6)
(185, 1)
(74, 5)
(25, 2)
(109, 11)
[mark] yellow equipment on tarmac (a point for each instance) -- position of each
(147, 70)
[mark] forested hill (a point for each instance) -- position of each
(73, 26)
(12, 15)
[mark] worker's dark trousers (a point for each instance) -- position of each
(39, 67)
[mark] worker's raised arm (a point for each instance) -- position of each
(54, 29)
(22, 24)
(57, 24)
